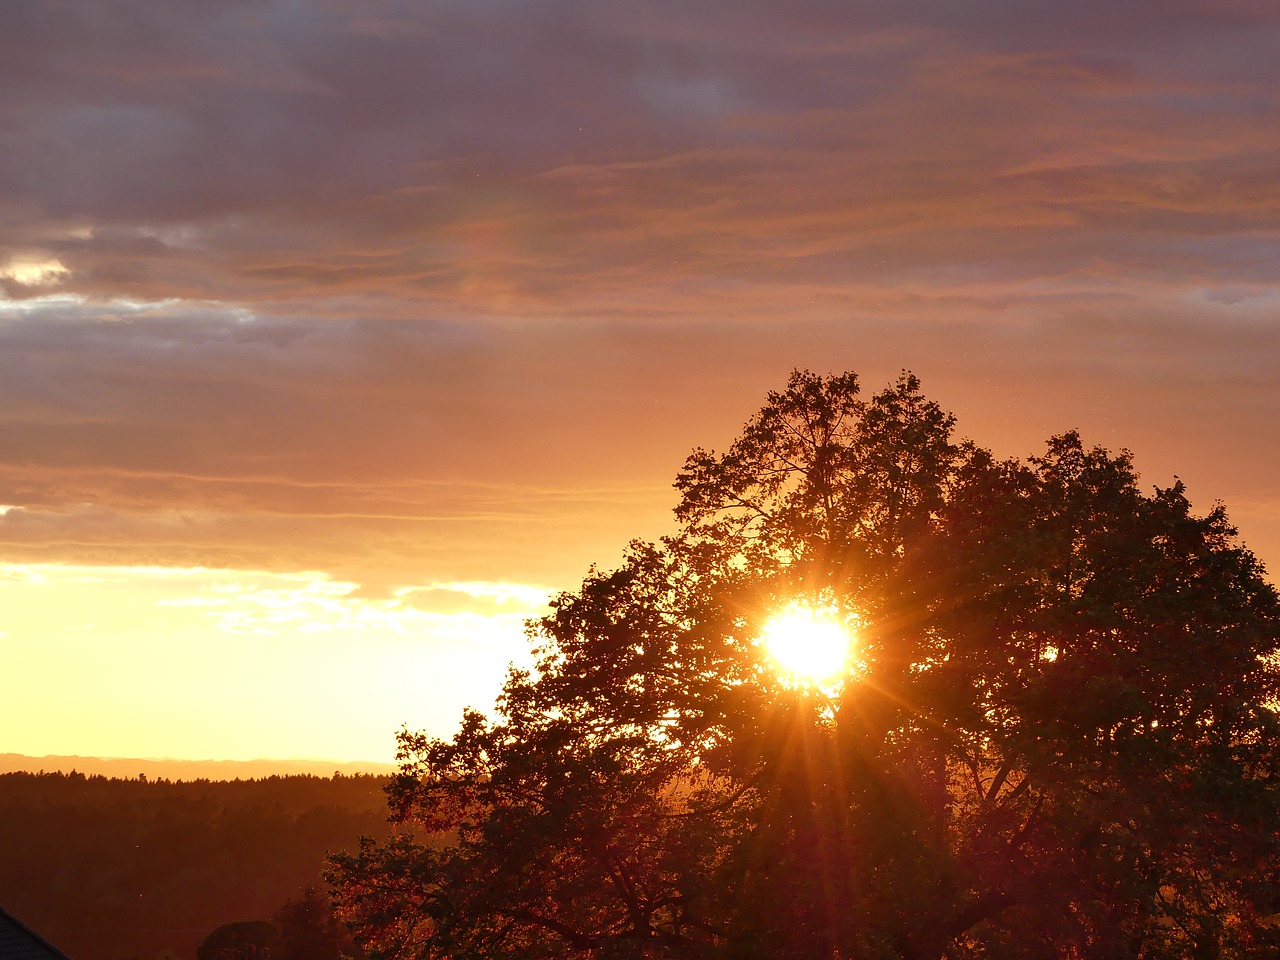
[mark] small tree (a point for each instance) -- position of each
(308, 930)
(241, 940)
(1056, 737)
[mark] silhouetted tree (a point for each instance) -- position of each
(242, 940)
(308, 930)
(1056, 738)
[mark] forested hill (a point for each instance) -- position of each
(111, 869)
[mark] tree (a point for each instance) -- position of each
(308, 930)
(241, 940)
(1056, 738)
(302, 929)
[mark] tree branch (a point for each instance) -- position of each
(574, 937)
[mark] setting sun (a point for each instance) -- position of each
(813, 644)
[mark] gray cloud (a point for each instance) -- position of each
(370, 287)
(501, 156)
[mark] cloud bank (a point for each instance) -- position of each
(412, 292)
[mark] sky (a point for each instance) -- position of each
(335, 338)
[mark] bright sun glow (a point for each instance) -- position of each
(34, 273)
(811, 644)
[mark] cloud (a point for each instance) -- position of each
(445, 292)
(535, 158)
(395, 453)
(29, 272)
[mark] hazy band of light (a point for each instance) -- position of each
(241, 664)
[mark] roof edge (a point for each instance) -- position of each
(53, 951)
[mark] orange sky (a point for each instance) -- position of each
(332, 338)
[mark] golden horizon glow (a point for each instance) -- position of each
(812, 644)
(235, 664)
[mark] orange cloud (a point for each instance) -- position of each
(375, 290)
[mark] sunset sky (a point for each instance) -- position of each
(335, 336)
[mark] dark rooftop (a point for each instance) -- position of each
(20, 942)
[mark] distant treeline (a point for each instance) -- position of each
(189, 769)
(111, 869)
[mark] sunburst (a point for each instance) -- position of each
(812, 644)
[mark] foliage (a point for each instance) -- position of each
(240, 940)
(1056, 740)
(309, 931)
(302, 929)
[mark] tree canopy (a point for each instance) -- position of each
(1055, 736)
